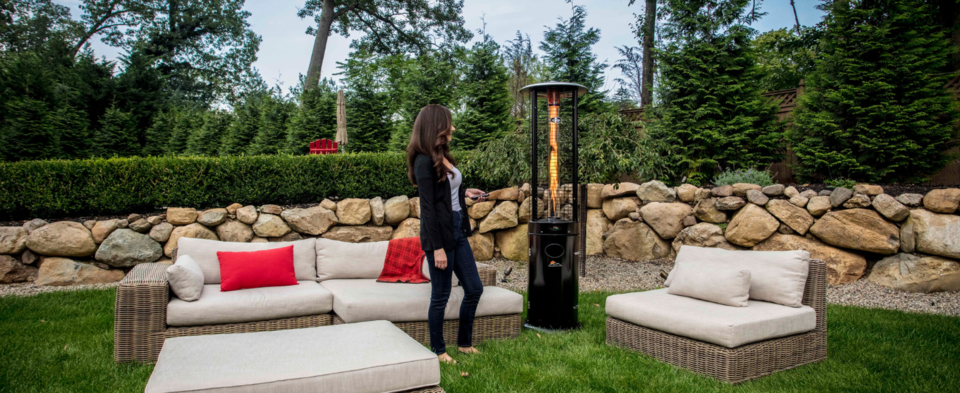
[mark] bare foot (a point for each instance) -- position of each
(469, 350)
(444, 358)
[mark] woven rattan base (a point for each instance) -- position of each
(431, 389)
(484, 328)
(732, 365)
(251, 327)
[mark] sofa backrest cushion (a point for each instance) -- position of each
(715, 283)
(204, 252)
(185, 278)
(342, 260)
(775, 276)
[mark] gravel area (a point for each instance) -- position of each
(28, 289)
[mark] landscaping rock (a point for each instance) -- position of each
(13, 240)
(790, 192)
(359, 234)
(193, 231)
(407, 228)
(868, 189)
(269, 225)
(248, 214)
(232, 209)
(799, 201)
(212, 217)
(480, 210)
(751, 225)
(819, 205)
(33, 225)
(619, 190)
(514, 243)
(917, 273)
(839, 196)
(311, 221)
(13, 271)
(656, 191)
(353, 211)
(328, 204)
(757, 197)
(797, 218)
(127, 248)
(635, 241)
(594, 195)
(259, 240)
(63, 272)
(597, 225)
(506, 194)
(161, 233)
(524, 212)
(122, 223)
(689, 221)
(773, 190)
(133, 217)
(890, 208)
(396, 209)
(473, 224)
(911, 200)
(907, 237)
(503, 216)
(290, 237)
(722, 191)
(730, 203)
(858, 229)
(842, 266)
(825, 193)
(415, 207)
(62, 239)
(271, 209)
(701, 194)
(87, 224)
(181, 215)
(702, 235)
(141, 226)
(686, 192)
(102, 229)
(154, 220)
(936, 234)
(706, 210)
(29, 257)
(618, 208)
(785, 229)
(857, 201)
(635, 216)
(378, 212)
(942, 201)
(235, 231)
(808, 194)
(740, 189)
(482, 246)
(665, 218)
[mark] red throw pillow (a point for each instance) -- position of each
(256, 269)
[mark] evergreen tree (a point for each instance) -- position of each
(315, 118)
(183, 122)
(248, 122)
(784, 57)
(431, 78)
(368, 104)
(206, 140)
(140, 92)
(875, 109)
(117, 135)
(569, 58)
(486, 99)
(713, 111)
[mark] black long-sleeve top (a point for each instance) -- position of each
(436, 212)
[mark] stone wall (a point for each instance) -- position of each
(916, 238)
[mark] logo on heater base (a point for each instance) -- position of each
(554, 264)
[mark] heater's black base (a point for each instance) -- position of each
(553, 286)
(551, 331)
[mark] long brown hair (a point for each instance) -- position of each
(431, 136)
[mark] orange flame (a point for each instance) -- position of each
(553, 105)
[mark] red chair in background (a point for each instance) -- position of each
(323, 146)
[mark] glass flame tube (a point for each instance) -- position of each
(553, 106)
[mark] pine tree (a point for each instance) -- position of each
(486, 99)
(315, 118)
(569, 58)
(875, 109)
(713, 111)
(183, 122)
(368, 103)
(248, 122)
(430, 78)
(117, 135)
(207, 139)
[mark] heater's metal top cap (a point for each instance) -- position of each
(541, 88)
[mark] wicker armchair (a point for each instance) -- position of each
(743, 363)
(140, 324)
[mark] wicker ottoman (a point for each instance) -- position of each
(362, 357)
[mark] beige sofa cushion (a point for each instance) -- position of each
(247, 305)
(364, 357)
(185, 278)
(205, 253)
(716, 284)
(714, 323)
(775, 276)
(368, 300)
(341, 260)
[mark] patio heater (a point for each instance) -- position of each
(555, 247)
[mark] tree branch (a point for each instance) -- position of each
(394, 26)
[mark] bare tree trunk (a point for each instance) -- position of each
(319, 45)
(649, 27)
(795, 18)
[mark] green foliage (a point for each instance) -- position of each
(207, 140)
(315, 118)
(501, 161)
(175, 127)
(486, 100)
(875, 109)
(713, 111)
(570, 58)
(836, 183)
(117, 135)
(368, 103)
(430, 78)
(784, 58)
(749, 175)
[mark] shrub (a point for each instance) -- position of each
(837, 183)
(752, 176)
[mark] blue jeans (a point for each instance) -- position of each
(460, 262)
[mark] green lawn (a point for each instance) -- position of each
(63, 342)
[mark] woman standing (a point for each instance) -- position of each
(444, 226)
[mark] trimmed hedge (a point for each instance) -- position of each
(60, 188)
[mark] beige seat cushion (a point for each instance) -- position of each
(714, 323)
(247, 305)
(369, 300)
(364, 357)
(341, 260)
(204, 252)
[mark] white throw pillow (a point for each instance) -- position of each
(718, 284)
(775, 276)
(185, 278)
(337, 260)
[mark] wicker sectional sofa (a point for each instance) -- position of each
(337, 284)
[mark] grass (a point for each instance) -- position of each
(63, 342)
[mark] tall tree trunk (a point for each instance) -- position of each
(649, 29)
(795, 18)
(319, 45)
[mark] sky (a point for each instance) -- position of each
(285, 49)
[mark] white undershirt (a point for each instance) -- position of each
(455, 180)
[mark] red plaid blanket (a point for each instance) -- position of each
(404, 262)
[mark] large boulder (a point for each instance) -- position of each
(269, 225)
(917, 273)
(617, 190)
(942, 201)
(618, 208)
(482, 246)
(890, 207)
(63, 271)
(706, 210)
(359, 234)
(857, 201)
(757, 197)
(181, 215)
(235, 231)
(127, 248)
(248, 214)
(415, 207)
(839, 196)
(354, 211)
(161, 232)
(62, 239)
(13, 240)
(858, 229)
(597, 225)
(377, 211)
(740, 189)
(842, 266)
(797, 218)
(524, 211)
(514, 243)
(34, 224)
(702, 235)
(503, 216)
(722, 191)
(665, 218)
(819, 205)
(232, 209)
(480, 209)
(13, 271)
(656, 191)
(751, 225)
(328, 204)
(687, 192)
(868, 189)
(730, 203)
(773, 190)
(141, 225)
(271, 209)
(396, 209)
(102, 229)
(311, 221)
(407, 228)
(911, 200)
(932, 233)
(635, 241)
(193, 231)
(594, 195)
(212, 217)
(506, 194)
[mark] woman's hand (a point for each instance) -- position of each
(473, 192)
(440, 259)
